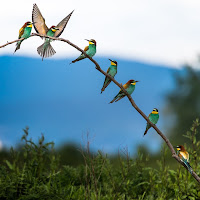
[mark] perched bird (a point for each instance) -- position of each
(153, 117)
(46, 50)
(112, 71)
(24, 32)
(89, 50)
(184, 156)
(129, 86)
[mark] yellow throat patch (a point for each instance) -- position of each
(133, 83)
(154, 112)
(91, 42)
(54, 30)
(30, 26)
(112, 63)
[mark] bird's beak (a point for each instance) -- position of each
(137, 81)
(87, 40)
(110, 59)
(34, 22)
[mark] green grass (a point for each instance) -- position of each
(36, 171)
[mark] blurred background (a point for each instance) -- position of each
(154, 42)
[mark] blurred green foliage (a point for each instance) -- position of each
(36, 171)
(183, 103)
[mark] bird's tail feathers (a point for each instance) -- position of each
(188, 166)
(147, 128)
(18, 45)
(46, 52)
(114, 98)
(81, 57)
(145, 132)
(119, 98)
(105, 85)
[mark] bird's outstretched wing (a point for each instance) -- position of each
(39, 21)
(62, 25)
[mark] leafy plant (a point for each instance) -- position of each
(34, 172)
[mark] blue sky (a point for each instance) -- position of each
(64, 102)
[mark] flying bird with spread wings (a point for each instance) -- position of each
(46, 50)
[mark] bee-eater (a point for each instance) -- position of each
(89, 50)
(24, 32)
(46, 50)
(153, 117)
(112, 71)
(129, 86)
(184, 156)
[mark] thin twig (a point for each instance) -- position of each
(174, 155)
(11, 42)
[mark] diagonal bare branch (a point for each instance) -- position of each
(11, 42)
(174, 155)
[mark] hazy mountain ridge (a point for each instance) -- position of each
(64, 102)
